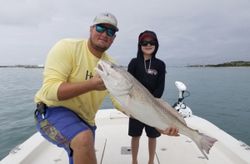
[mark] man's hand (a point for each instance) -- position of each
(171, 131)
(99, 84)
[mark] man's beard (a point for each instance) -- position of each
(98, 48)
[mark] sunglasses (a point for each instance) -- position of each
(145, 43)
(109, 31)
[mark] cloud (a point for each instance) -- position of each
(25, 12)
(191, 32)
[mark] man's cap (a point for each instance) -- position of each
(106, 18)
(147, 34)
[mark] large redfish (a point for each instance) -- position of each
(138, 102)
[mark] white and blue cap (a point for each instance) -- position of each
(106, 18)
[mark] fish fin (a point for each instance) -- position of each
(204, 143)
(170, 109)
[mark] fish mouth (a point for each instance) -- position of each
(100, 68)
(104, 67)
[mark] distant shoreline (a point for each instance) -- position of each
(227, 64)
(21, 66)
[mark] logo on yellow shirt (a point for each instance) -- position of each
(89, 75)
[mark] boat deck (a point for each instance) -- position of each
(113, 146)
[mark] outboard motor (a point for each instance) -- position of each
(180, 106)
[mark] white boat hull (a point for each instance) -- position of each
(113, 145)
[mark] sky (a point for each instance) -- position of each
(189, 31)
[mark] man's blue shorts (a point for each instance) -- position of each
(60, 125)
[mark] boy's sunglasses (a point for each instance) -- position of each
(145, 43)
(101, 28)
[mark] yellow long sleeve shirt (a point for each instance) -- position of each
(71, 61)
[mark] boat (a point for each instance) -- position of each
(112, 143)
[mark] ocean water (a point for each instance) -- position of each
(220, 95)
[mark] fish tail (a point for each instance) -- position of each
(204, 143)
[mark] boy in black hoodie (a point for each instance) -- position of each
(150, 71)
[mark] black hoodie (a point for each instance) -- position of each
(154, 80)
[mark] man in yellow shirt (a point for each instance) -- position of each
(72, 93)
